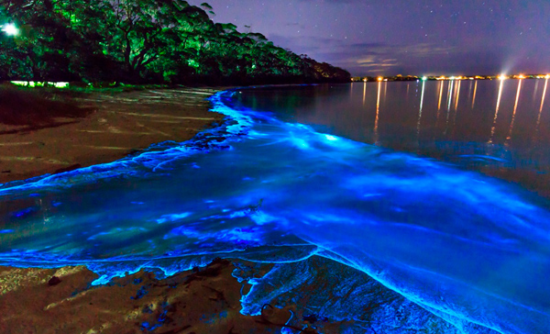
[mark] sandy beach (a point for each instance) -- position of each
(90, 129)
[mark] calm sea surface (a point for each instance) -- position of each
(499, 128)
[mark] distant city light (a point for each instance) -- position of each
(10, 29)
(548, 76)
(459, 77)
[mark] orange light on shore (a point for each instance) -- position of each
(548, 76)
(380, 78)
(521, 76)
(502, 77)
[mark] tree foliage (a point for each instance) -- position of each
(142, 41)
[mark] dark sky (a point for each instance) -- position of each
(388, 37)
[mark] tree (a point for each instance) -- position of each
(141, 32)
(140, 41)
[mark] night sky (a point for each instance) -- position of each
(388, 37)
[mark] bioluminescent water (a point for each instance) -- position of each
(472, 250)
(498, 128)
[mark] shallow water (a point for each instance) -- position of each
(499, 128)
(471, 249)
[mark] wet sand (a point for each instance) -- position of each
(205, 300)
(40, 136)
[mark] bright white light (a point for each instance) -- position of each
(424, 78)
(10, 29)
(20, 83)
(502, 77)
(331, 138)
(59, 84)
(40, 84)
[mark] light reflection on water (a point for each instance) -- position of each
(500, 128)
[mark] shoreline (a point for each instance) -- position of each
(63, 298)
(115, 126)
(104, 135)
(49, 300)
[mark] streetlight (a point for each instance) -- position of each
(10, 29)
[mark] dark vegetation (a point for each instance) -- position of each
(142, 42)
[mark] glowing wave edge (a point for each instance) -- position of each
(469, 249)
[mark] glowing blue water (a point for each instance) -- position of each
(468, 248)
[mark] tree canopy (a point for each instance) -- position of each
(142, 41)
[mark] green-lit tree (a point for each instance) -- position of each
(163, 41)
(144, 31)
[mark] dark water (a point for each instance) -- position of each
(499, 128)
(342, 221)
